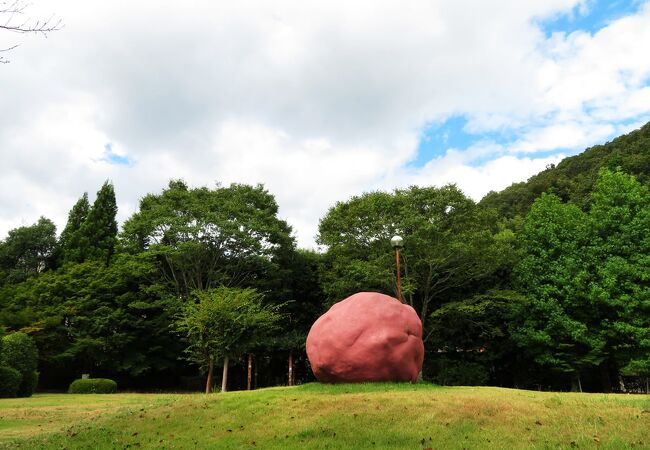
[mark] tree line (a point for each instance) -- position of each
(111, 304)
(555, 295)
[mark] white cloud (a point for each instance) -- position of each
(495, 174)
(317, 100)
(570, 135)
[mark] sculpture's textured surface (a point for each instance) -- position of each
(366, 337)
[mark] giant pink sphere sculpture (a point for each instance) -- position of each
(366, 337)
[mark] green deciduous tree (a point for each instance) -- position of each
(203, 238)
(587, 277)
(27, 251)
(224, 323)
(451, 246)
(620, 290)
(554, 273)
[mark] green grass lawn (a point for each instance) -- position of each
(377, 416)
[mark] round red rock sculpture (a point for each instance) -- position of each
(366, 337)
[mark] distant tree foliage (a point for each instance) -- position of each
(574, 178)
(28, 251)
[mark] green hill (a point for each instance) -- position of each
(316, 416)
(574, 177)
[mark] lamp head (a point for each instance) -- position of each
(396, 241)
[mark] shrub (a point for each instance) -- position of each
(28, 384)
(19, 352)
(9, 382)
(93, 386)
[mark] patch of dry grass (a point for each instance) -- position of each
(47, 413)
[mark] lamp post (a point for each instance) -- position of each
(396, 242)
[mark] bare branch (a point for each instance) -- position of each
(12, 19)
(8, 48)
(3, 60)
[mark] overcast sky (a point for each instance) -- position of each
(318, 101)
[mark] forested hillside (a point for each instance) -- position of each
(574, 177)
(544, 285)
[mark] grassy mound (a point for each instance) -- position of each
(377, 416)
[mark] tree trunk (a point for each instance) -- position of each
(255, 376)
(250, 371)
(290, 368)
(647, 385)
(224, 378)
(208, 383)
(576, 384)
(621, 383)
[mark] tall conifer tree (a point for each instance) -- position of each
(71, 234)
(99, 230)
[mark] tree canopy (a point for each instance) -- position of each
(203, 238)
(28, 251)
(451, 245)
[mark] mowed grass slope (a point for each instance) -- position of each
(377, 416)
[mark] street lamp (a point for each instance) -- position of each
(396, 242)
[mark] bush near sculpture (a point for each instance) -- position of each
(93, 386)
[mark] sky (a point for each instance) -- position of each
(317, 100)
